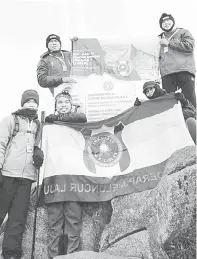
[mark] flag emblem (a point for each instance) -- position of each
(105, 149)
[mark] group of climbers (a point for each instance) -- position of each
(21, 156)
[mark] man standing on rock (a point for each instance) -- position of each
(176, 61)
(20, 156)
(54, 66)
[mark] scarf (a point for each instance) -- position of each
(27, 113)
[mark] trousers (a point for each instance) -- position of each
(14, 200)
(64, 221)
(181, 80)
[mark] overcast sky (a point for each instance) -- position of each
(25, 24)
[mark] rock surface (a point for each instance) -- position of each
(158, 223)
(91, 255)
(95, 216)
(166, 211)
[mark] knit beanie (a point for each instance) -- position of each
(164, 17)
(158, 90)
(64, 94)
(29, 94)
(52, 36)
(148, 85)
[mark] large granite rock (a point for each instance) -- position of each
(91, 255)
(95, 217)
(136, 245)
(41, 233)
(157, 223)
(166, 212)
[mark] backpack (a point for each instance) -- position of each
(16, 127)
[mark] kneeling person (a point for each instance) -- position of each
(152, 90)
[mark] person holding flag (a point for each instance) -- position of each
(153, 90)
(64, 218)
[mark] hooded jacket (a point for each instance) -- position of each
(180, 54)
(15, 161)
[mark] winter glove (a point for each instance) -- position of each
(51, 118)
(61, 117)
(1, 178)
(180, 97)
(72, 117)
(137, 102)
(38, 157)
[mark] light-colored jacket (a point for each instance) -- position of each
(15, 161)
(180, 54)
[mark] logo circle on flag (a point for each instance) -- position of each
(105, 149)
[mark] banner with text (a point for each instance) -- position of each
(109, 74)
(124, 154)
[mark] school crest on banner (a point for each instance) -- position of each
(97, 161)
(104, 147)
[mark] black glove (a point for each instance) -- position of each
(1, 178)
(38, 157)
(180, 97)
(137, 102)
(51, 118)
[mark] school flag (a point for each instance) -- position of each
(98, 161)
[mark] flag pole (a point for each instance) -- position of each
(37, 193)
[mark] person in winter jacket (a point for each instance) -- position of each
(64, 218)
(152, 90)
(54, 66)
(176, 59)
(20, 156)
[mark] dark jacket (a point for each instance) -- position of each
(180, 54)
(68, 117)
(50, 68)
(187, 108)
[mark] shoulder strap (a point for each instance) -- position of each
(15, 130)
(173, 34)
(16, 126)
